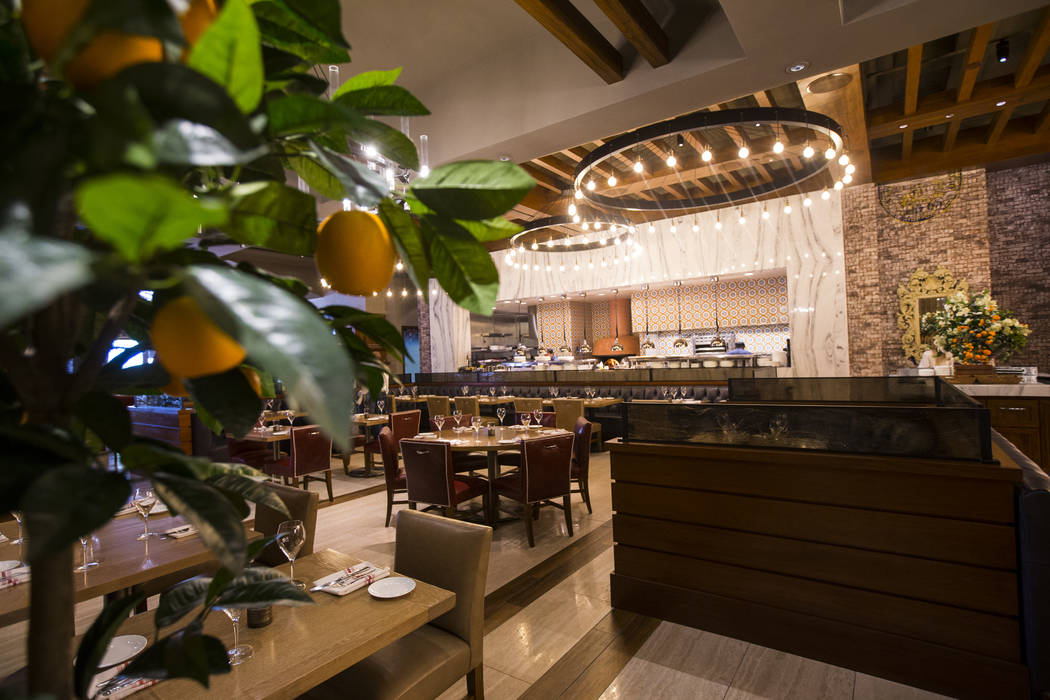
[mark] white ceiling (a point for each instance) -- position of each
(498, 83)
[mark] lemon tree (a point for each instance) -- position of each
(137, 133)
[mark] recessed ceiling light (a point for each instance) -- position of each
(797, 67)
(504, 157)
(903, 126)
(1000, 103)
(949, 115)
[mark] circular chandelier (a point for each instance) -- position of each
(675, 186)
(569, 233)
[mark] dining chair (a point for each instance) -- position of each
(568, 411)
(546, 465)
(527, 405)
(393, 472)
(311, 454)
(254, 454)
(547, 418)
(404, 424)
(450, 554)
(438, 406)
(581, 459)
(301, 505)
(472, 405)
(464, 461)
(430, 476)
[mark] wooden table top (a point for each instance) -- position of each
(305, 646)
(599, 402)
(120, 560)
(275, 436)
(371, 419)
(465, 442)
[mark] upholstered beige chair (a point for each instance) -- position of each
(453, 555)
(527, 405)
(301, 505)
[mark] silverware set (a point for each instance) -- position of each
(346, 578)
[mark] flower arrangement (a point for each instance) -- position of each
(973, 329)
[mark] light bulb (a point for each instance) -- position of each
(652, 228)
(508, 258)
(807, 152)
(787, 208)
(586, 226)
(671, 160)
(696, 227)
(404, 292)
(576, 267)
(830, 153)
(825, 195)
(612, 181)
(765, 213)
(399, 266)
(674, 229)
(575, 218)
(850, 168)
(807, 201)
(638, 166)
(424, 170)
(603, 263)
(597, 226)
(572, 208)
(718, 224)
(578, 195)
(548, 268)
(846, 179)
(590, 185)
(778, 147)
(535, 246)
(843, 159)
(521, 248)
(389, 293)
(706, 156)
(630, 229)
(744, 152)
(535, 268)
(742, 220)
(617, 241)
(838, 184)
(419, 292)
(601, 241)
(550, 242)
(375, 294)
(590, 265)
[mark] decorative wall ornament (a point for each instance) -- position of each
(923, 292)
(920, 200)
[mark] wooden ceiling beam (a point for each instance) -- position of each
(951, 134)
(555, 166)
(546, 179)
(1001, 119)
(974, 60)
(641, 29)
(911, 94)
(1043, 121)
(571, 28)
(1034, 52)
(933, 109)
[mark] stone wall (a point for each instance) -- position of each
(423, 310)
(1019, 238)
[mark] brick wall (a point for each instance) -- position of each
(424, 335)
(883, 251)
(1019, 237)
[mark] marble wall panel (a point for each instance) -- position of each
(449, 333)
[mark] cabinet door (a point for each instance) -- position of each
(1014, 413)
(1026, 440)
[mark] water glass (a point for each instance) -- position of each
(457, 416)
(17, 515)
(240, 652)
(291, 535)
(464, 389)
(475, 423)
(415, 390)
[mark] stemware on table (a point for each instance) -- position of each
(379, 406)
(501, 413)
(144, 501)
(457, 416)
(87, 553)
(526, 418)
(439, 421)
(17, 515)
(240, 652)
(291, 535)
(683, 389)
(464, 390)
(492, 392)
(537, 415)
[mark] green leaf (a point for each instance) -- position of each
(303, 114)
(140, 215)
(495, 229)
(95, 641)
(229, 398)
(229, 53)
(106, 416)
(69, 501)
(273, 215)
(259, 587)
(144, 379)
(381, 99)
(207, 510)
(473, 189)
(317, 177)
(368, 79)
(390, 142)
(293, 38)
(250, 490)
(34, 271)
(187, 653)
(179, 600)
(141, 17)
(409, 242)
(30, 450)
(181, 142)
(462, 265)
(286, 336)
(365, 187)
(375, 326)
(323, 16)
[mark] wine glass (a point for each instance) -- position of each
(674, 393)
(526, 418)
(17, 515)
(464, 389)
(778, 425)
(503, 390)
(415, 390)
(379, 406)
(475, 423)
(537, 415)
(457, 416)
(290, 538)
(240, 652)
(144, 500)
(87, 561)
(663, 392)
(492, 392)
(439, 421)
(683, 389)
(501, 413)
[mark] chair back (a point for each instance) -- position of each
(311, 450)
(453, 555)
(547, 418)
(428, 471)
(450, 421)
(581, 448)
(566, 412)
(404, 424)
(546, 464)
(438, 406)
(388, 448)
(527, 405)
(301, 505)
(468, 404)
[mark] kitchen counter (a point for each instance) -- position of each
(1034, 391)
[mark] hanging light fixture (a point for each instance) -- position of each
(616, 346)
(648, 343)
(680, 344)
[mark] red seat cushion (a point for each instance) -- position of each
(510, 486)
(467, 487)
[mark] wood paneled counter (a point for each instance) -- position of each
(902, 568)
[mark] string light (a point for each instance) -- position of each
(807, 201)
(652, 228)
(843, 159)
(572, 209)
(696, 226)
(674, 227)
(535, 246)
(787, 208)
(765, 213)
(706, 155)
(830, 153)
(404, 292)
(808, 151)
(578, 194)
(742, 220)
(671, 160)
(399, 266)
(638, 165)
(744, 151)
(850, 168)
(389, 293)
(846, 179)
(575, 218)
(718, 223)
(612, 181)
(825, 195)
(585, 226)
(838, 184)
(778, 147)
(590, 185)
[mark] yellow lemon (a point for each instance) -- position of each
(354, 252)
(189, 344)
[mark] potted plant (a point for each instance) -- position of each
(136, 134)
(974, 330)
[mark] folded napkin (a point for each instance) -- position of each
(509, 441)
(426, 435)
(13, 577)
(348, 580)
(119, 687)
(3, 538)
(181, 531)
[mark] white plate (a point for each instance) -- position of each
(122, 648)
(9, 564)
(508, 441)
(426, 435)
(392, 587)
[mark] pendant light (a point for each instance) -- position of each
(616, 346)
(717, 341)
(648, 343)
(680, 343)
(564, 350)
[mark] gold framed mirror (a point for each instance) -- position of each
(922, 293)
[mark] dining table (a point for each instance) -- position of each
(122, 560)
(304, 645)
(363, 421)
(270, 436)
